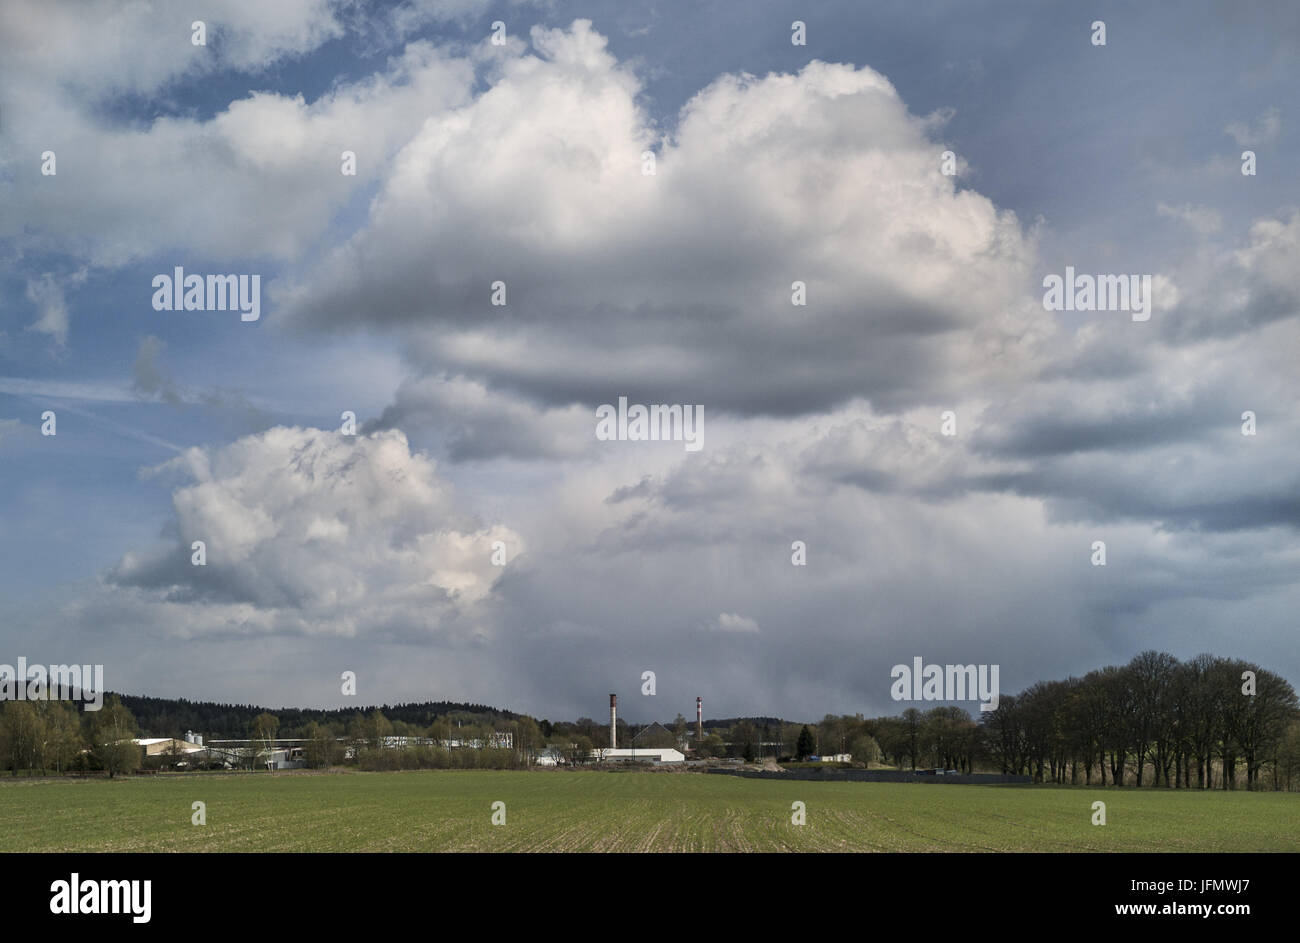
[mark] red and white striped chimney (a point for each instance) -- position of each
(699, 719)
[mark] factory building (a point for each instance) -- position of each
(654, 756)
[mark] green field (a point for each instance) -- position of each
(595, 811)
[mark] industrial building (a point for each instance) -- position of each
(655, 756)
(163, 746)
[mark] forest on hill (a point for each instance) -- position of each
(172, 717)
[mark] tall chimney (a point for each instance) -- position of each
(699, 720)
(613, 720)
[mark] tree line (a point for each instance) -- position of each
(56, 736)
(1156, 720)
(166, 717)
(1205, 723)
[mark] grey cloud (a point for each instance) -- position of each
(149, 379)
(474, 423)
(677, 287)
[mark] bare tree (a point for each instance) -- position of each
(112, 731)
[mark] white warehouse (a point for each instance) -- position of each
(654, 755)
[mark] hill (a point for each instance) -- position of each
(172, 717)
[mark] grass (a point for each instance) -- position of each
(595, 811)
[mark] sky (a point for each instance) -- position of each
(476, 539)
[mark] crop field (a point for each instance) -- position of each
(596, 811)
